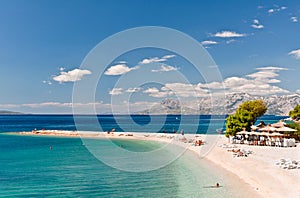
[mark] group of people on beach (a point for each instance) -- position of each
(198, 142)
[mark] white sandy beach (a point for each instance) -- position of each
(259, 169)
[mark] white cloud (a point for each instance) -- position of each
(267, 74)
(154, 92)
(71, 76)
(294, 19)
(179, 90)
(185, 90)
(116, 91)
(263, 74)
(152, 60)
(209, 42)
(258, 83)
(230, 41)
(271, 10)
(119, 69)
(295, 53)
(47, 82)
(256, 24)
(156, 59)
(168, 56)
(61, 69)
(47, 104)
(277, 8)
(228, 34)
(260, 7)
(272, 68)
(133, 90)
(165, 68)
(283, 8)
(151, 90)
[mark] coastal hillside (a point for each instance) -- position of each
(277, 105)
(5, 112)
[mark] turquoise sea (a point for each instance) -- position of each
(29, 168)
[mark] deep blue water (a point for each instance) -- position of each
(133, 123)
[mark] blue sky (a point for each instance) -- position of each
(43, 43)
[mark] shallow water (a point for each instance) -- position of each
(29, 168)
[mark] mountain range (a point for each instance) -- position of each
(277, 105)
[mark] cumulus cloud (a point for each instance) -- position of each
(71, 76)
(178, 90)
(119, 69)
(294, 19)
(276, 8)
(209, 42)
(256, 24)
(165, 68)
(228, 34)
(116, 91)
(185, 90)
(133, 90)
(258, 83)
(267, 74)
(151, 90)
(271, 10)
(295, 53)
(156, 59)
(155, 92)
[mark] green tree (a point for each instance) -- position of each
(295, 114)
(256, 107)
(296, 126)
(245, 116)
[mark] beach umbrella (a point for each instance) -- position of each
(253, 127)
(279, 124)
(264, 133)
(275, 134)
(247, 133)
(267, 128)
(255, 133)
(286, 129)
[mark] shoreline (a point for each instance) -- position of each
(258, 170)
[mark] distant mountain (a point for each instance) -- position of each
(169, 106)
(4, 112)
(277, 105)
